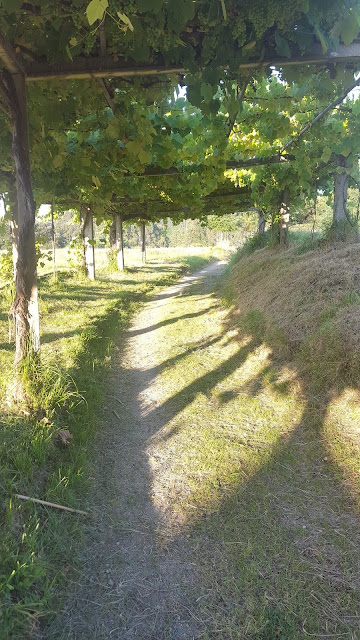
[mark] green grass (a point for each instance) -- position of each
(261, 474)
(80, 321)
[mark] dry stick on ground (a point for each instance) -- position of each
(51, 504)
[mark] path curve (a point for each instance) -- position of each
(136, 568)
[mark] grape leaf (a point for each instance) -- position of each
(11, 5)
(95, 10)
(282, 46)
(145, 156)
(123, 17)
(179, 12)
(349, 29)
(326, 155)
(206, 91)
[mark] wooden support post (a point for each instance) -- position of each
(25, 308)
(112, 236)
(284, 218)
(88, 244)
(261, 221)
(119, 242)
(14, 220)
(143, 242)
(341, 185)
(53, 241)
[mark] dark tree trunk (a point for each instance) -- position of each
(88, 244)
(284, 218)
(143, 242)
(119, 241)
(25, 307)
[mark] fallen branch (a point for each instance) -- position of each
(51, 504)
(116, 414)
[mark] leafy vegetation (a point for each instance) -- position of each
(81, 324)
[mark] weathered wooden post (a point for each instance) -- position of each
(284, 218)
(25, 308)
(119, 241)
(143, 242)
(53, 242)
(88, 243)
(261, 221)
(341, 185)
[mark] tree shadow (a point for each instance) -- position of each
(277, 555)
(273, 556)
(165, 323)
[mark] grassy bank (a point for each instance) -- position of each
(258, 463)
(80, 322)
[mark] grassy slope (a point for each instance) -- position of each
(80, 323)
(261, 455)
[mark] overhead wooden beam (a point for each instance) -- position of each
(107, 67)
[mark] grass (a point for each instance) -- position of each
(80, 323)
(260, 450)
(254, 467)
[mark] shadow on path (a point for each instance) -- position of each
(276, 556)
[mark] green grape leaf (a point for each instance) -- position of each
(95, 10)
(96, 181)
(326, 155)
(249, 45)
(113, 128)
(349, 28)
(11, 5)
(206, 91)
(134, 147)
(194, 94)
(123, 17)
(179, 13)
(145, 157)
(320, 35)
(282, 46)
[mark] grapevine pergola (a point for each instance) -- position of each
(236, 41)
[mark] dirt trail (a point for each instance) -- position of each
(135, 571)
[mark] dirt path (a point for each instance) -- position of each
(136, 567)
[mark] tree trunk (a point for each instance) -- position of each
(53, 241)
(119, 241)
(261, 221)
(14, 221)
(25, 307)
(284, 218)
(88, 244)
(341, 184)
(143, 244)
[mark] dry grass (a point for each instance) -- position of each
(295, 291)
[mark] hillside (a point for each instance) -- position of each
(305, 309)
